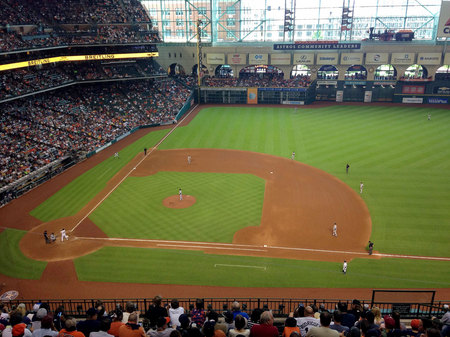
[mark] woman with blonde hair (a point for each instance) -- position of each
(377, 313)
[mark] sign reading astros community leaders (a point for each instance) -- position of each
(73, 58)
(307, 46)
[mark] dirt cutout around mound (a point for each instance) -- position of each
(174, 201)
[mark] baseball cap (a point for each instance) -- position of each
(18, 330)
(415, 324)
(389, 322)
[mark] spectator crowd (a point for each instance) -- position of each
(175, 321)
(36, 131)
(258, 81)
(22, 81)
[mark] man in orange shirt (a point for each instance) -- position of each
(71, 329)
(132, 329)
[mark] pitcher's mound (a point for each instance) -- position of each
(174, 201)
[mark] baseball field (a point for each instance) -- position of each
(251, 217)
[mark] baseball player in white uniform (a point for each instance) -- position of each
(293, 155)
(189, 159)
(361, 186)
(64, 235)
(344, 267)
(335, 229)
(180, 193)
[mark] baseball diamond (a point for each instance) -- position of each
(290, 218)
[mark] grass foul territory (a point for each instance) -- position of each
(13, 263)
(196, 268)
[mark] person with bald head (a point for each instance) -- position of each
(307, 322)
(265, 328)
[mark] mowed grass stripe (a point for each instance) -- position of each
(224, 204)
(386, 272)
(13, 263)
(72, 197)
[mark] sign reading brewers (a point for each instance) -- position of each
(444, 20)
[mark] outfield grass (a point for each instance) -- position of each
(196, 268)
(225, 203)
(402, 158)
(13, 263)
(74, 196)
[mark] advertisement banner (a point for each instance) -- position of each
(403, 58)
(377, 58)
(327, 58)
(339, 95)
(309, 46)
(352, 58)
(252, 95)
(437, 100)
(367, 96)
(326, 82)
(280, 59)
(72, 58)
(429, 58)
(413, 89)
(304, 58)
(237, 58)
(447, 58)
(444, 20)
(215, 58)
(258, 58)
(416, 100)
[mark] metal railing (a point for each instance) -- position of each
(281, 307)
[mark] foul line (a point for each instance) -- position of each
(212, 247)
(244, 247)
(238, 265)
(126, 176)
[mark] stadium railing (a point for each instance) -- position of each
(281, 307)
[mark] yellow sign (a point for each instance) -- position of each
(73, 58)
(252, 95)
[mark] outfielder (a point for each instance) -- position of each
(361, 186)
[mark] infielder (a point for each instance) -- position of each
(293, 155)
(116, 155)
(180, 193)
(361, 186)
(189, 159)
(64, 235)
(335, 229)
(344, 267)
